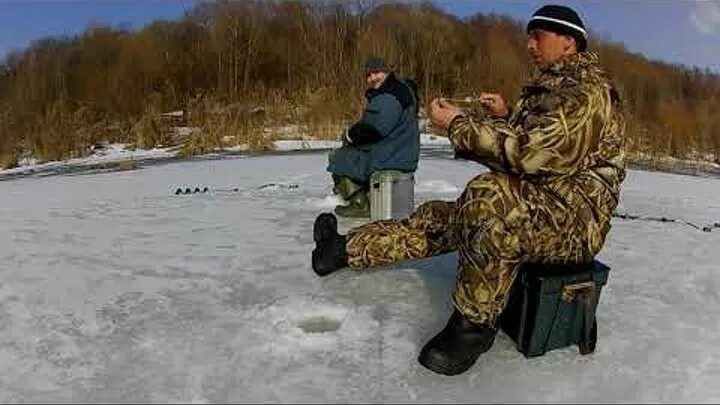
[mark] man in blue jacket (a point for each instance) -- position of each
(387, 137)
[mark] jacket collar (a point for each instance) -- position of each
(574, 63)
(576, 67)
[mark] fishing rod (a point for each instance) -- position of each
(704, 228)
(206, 189)
(619, 215)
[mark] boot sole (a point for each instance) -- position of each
(445, 369)
(317, 265)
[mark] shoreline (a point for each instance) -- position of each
(663, 165)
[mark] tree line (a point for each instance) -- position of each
(299, 62)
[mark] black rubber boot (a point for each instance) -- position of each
(456, 348)
(329, 254)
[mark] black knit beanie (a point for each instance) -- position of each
(560, 20)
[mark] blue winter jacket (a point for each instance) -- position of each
(387, 137)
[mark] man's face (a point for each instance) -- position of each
(546, 47)
(375, 79)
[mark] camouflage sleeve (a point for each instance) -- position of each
(481, 140)
(553, 138)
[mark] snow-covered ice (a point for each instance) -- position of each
(114, 289)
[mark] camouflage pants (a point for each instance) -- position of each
(498, 223)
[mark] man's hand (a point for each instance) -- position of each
(442, 113)
(495, 104)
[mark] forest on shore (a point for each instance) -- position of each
(235, 68)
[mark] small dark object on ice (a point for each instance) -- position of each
(278, 185)
(189, 190)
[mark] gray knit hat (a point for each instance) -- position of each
(376, 64)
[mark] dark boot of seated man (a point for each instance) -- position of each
(355, 193)
(329, 254)
(456, 348)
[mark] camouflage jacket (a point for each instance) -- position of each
(568, 124)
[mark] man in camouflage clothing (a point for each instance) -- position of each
(557, 162)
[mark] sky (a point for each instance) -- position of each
(676, 31)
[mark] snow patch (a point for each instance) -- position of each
(433, 140)
(285, 132)
(330, 201)
(425, 140)
(288, 145)
(435, 186)
(243, 147)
